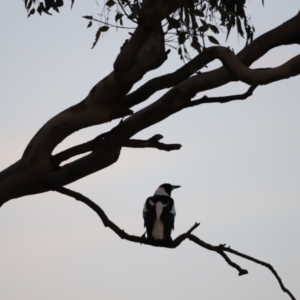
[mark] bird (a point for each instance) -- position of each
(159, 213)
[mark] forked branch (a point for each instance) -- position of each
(97, 143)
(221, 249)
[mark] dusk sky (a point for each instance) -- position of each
(239, 171)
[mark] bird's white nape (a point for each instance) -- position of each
(161, 191)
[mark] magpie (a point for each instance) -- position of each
(159, 213)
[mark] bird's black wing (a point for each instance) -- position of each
(168, 217)
(149, 216)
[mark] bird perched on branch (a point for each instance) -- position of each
(159, 213)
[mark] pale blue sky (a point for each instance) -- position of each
(239, 169)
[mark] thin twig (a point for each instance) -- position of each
(219, 250)
(106, 23)
(225, 99)
(270, 267)
(125, 12)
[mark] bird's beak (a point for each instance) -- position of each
(175, 187)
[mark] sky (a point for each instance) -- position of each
(239, 171)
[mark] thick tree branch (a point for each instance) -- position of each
(101, 105)
(96, 144)
(169, 80)
(104, 101)
(144, 51)
(177, 98)
(221, 249)
(286, 34)
(257, 76)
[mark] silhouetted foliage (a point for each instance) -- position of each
(194, 22)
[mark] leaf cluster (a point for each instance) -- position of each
(45, 6)
(199, 21)
(192, 25)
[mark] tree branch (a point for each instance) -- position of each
(106, 23)
(257, 76)
(169, 80)
(221, 249)
(225, 99)
(228, 249)
(96, 144)
(22, 178)
(120, 232)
